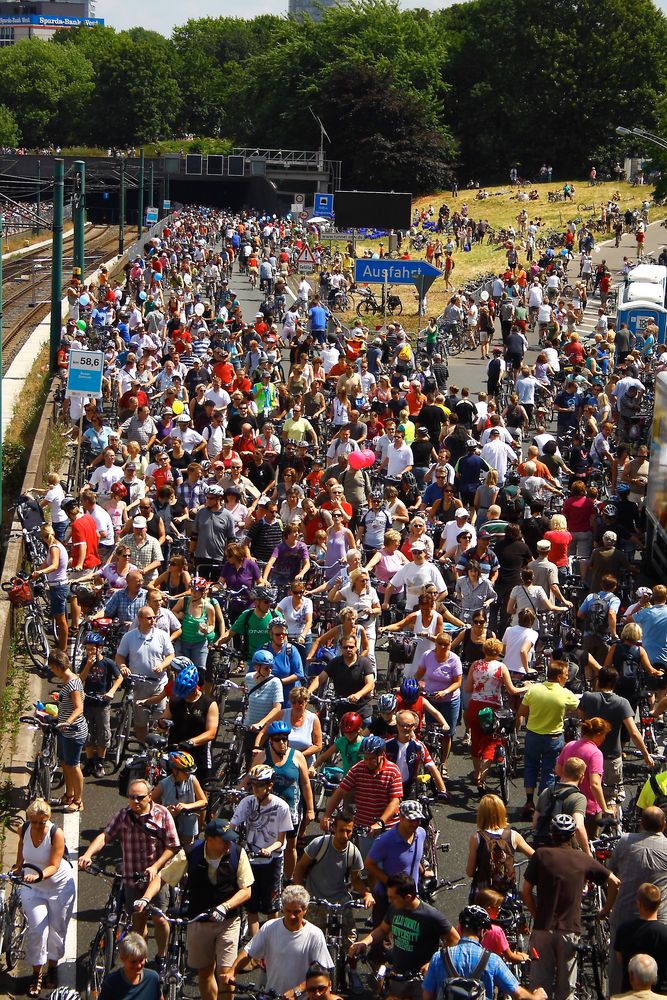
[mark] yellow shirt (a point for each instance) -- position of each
(547, 704)
(647, 796)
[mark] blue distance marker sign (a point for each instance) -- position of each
(395, 272)
(84, 372)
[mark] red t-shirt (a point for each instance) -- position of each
(560, 541)
(84, 529)
(578, 511)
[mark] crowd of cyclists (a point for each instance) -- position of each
(314, 567)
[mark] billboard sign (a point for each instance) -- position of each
(373, 210)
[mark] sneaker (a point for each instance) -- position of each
(98, 770)
(465, 740)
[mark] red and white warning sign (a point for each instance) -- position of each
(305, 261)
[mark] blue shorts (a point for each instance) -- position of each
(58, 594)
(69, 750)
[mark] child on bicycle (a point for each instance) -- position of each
(494, 939)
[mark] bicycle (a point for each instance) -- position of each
(336, 936)
(45, 765)
(38, 622)
(13, 924)
(150, 764)
(114, 924)
(175, 966)
(218, 799)
(647, 721)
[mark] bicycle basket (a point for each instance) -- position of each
(19, 592)
(334, 775)
(401, 649)
(504, 722)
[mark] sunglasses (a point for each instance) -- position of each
(479, 621)
(138, 798)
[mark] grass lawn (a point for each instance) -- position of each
(501, 210)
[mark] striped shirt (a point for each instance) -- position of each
(373, 790)
(78, 730)
(261, 703)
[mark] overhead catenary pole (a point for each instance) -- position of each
(152, 182)
(38, 196)
(79, 214)
(121, 209)
(140, 203)
(1, 363)
(57, 261)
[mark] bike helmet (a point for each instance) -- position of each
(475, 918)
(643, 592)
(610, 510)
(372, 744)
(261, 772)
(408, 478)
(351, 722)
(269, 594)
(93, 639)
(278, 728)
(377, 495)
(563, 826)
(409, 690)
(119, 490)
(182, 761)
(198, 583)
(263, 657)
(181, 663)
(387, 702)
(572, 639)
(186, 681)
(623, 489)
(64, 993)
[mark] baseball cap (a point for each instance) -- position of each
(418, 547)
(484, 533)
(130, 465)
(139, 522)
(461, 512)
(411, 809)
(609, 536)
(183, 418)
(544, 544)
(264, 502)
(220, 828)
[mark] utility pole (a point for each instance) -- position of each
(121, 209)
(1, 365)
(152, 182)
(79, 213)
(140, 203)
(38, 197)
(57, 260)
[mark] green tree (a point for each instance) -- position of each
(47, 89)
(10, 134)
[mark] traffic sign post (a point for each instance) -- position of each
(305, 261)
(323, 205)
(151, 216)
(166, 205)
(84, 373)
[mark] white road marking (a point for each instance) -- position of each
(67, 967)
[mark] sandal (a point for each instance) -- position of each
(75, 806)
(35, 987)
(51, 978)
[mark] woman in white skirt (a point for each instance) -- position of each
(47, 902)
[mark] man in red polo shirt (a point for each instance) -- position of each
(375, 786)
(84, 552)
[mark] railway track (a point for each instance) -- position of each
(19, 317)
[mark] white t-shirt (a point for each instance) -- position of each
(55, 497)
(104, 478)
(296, 620)
(514, 638)
(104, 525)
(413, 578)
(452, 529)
(398, 459)
(544, 313)
(263, 825)
(288, 954)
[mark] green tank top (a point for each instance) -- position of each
(190, 624)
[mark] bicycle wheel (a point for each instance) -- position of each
(396, 310)
(36, 641)
(599, 963)
(15, 928)
(339, 967)
(365, 307)
(455, 344)
(503, 783)
(100, 961)
(42, 779)
(120, 736)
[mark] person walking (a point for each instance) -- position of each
(72, 728)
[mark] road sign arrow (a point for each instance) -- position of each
(395, 272)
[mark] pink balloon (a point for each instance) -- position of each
(356, 460)
(369, 457)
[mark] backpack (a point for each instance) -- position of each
(556, 807)
(457, 987)
(26, 826)
(596, 616)
(629, 665)
(495, 861)
(324, 850)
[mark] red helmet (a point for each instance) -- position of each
(350, 722)
(119, 490)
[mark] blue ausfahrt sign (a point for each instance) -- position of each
(396, 272)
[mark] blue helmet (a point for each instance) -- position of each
(262, 656)
(278, 728)
(93, 639)
(387, 702)
(186, 681)
(180, 663)
(372, 744)
(623, 488)
(409, 690)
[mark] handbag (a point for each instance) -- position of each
(175, 869)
